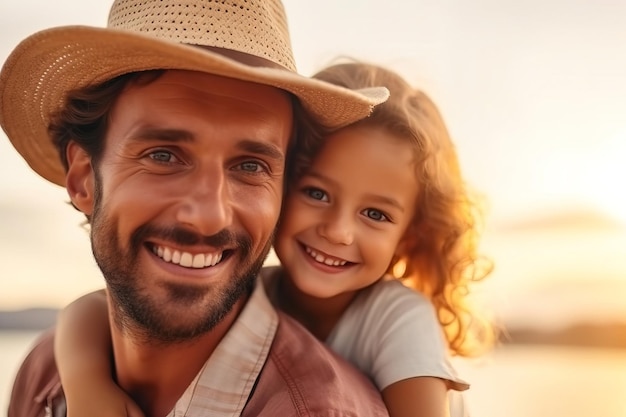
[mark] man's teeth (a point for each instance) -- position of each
(186, 259)
(324, 260)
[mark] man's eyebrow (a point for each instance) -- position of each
(178, 135)
(165, 135)
(261, 148)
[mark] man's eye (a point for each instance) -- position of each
(163, 156)
(251, 166)
(376, 215)
(316, 194)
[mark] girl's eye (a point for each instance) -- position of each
(376, 215)
(316, 194)
(163, 156)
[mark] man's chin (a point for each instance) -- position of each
(174, 325)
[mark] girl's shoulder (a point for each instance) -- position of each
(391, 332)
(391, 294)
(387, 307)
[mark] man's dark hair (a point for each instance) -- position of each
(85, 116)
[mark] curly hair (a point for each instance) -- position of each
(440, 256)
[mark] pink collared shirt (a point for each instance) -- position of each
(295, 374)
(267, 365)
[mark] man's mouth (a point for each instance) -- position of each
(325, 259)
(187, 259)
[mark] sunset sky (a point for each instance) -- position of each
(534, 94)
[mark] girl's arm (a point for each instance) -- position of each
(83, 352)
(417, 397)
(393, 334)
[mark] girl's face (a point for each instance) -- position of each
(344, 219)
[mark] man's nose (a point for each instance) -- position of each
(206, 204)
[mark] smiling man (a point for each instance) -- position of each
(192, 176)
(170, 130)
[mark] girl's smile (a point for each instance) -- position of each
(344, 219)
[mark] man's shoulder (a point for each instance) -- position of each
(37, 387)
(303, 377)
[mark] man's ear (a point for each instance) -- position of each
(79, 180)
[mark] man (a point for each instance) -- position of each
(170, 130)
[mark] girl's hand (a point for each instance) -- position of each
(103, 400)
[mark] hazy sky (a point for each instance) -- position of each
(534, 94)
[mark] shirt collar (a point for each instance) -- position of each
(225, 382)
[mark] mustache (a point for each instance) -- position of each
(184, 237)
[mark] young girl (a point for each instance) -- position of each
(377, 244)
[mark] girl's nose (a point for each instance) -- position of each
(337, 229)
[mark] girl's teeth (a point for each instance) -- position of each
(322, 259)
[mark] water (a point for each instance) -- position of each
(515, 381)
(542, 381)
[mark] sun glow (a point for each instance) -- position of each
(604, 184)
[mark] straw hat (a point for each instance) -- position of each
(243, 39)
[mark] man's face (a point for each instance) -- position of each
(187, 195)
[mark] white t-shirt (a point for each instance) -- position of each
(391, 333)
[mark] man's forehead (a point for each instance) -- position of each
(215, 93)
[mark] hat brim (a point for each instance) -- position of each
(44, 67)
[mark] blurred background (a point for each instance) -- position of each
(534, 94)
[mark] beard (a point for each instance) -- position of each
(186, 311)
